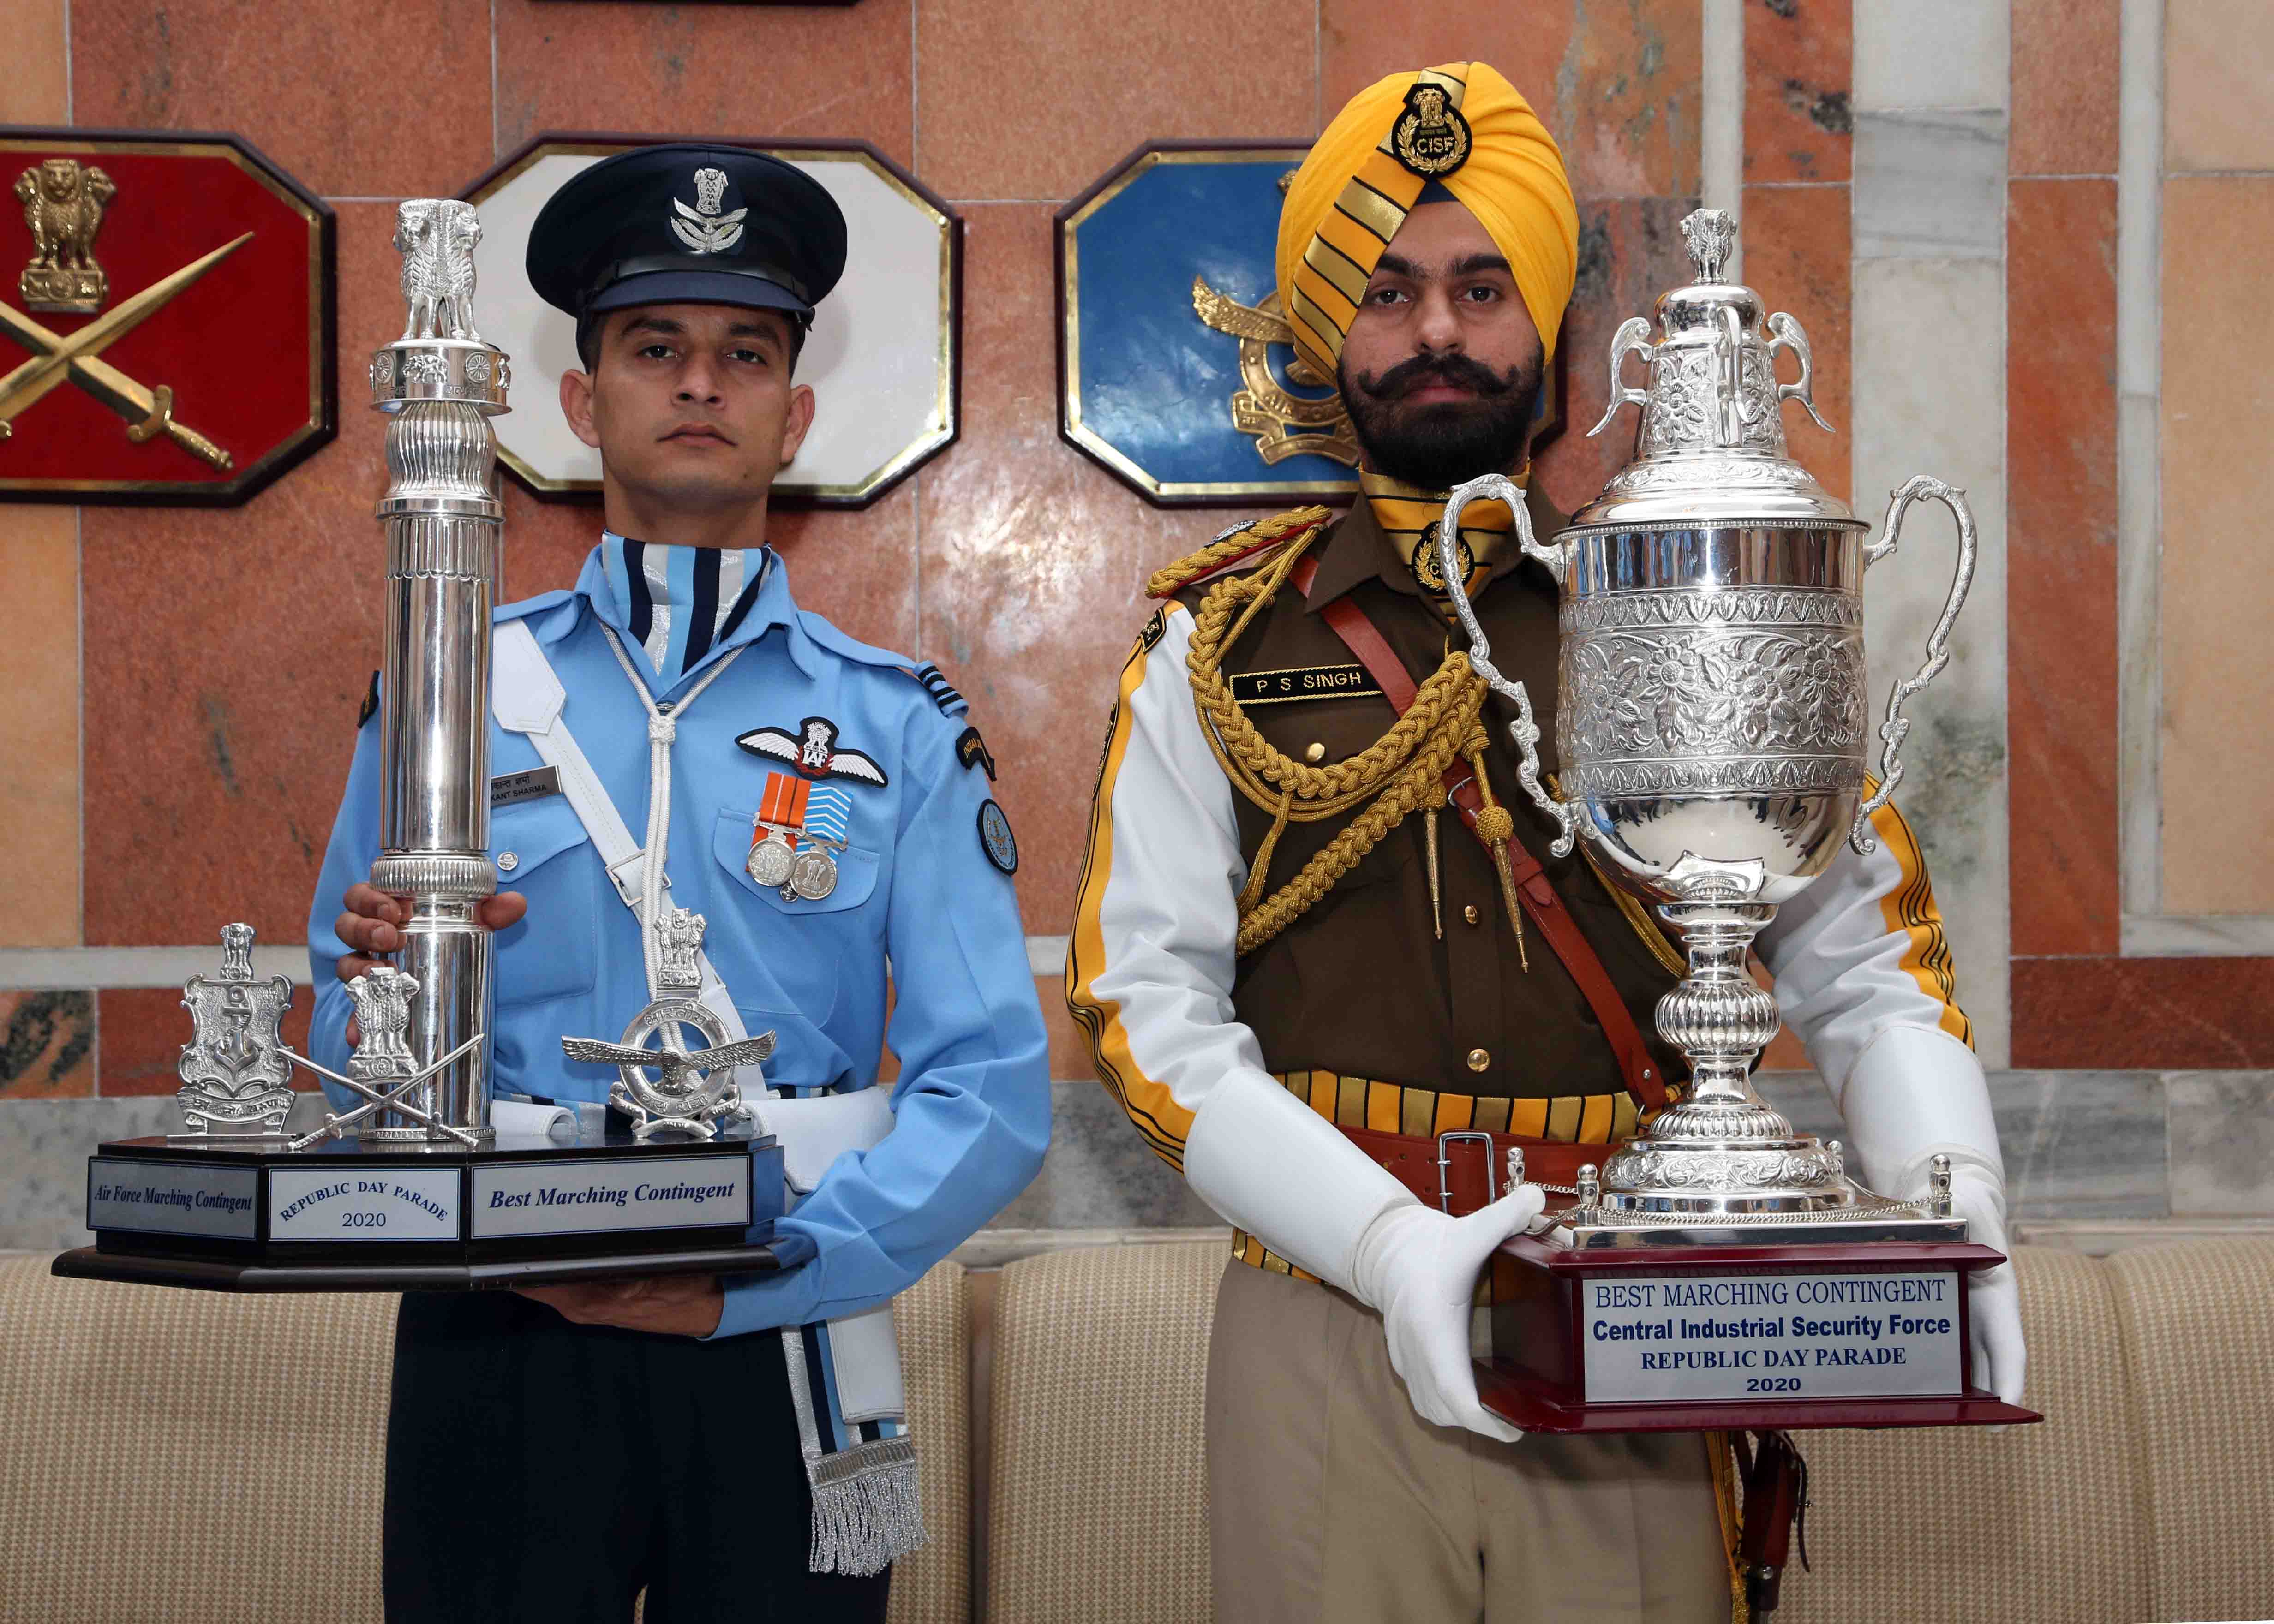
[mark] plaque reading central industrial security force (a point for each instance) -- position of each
(358, 1214)
(1689, 1336)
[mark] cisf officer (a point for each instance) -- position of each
(734, 1447)
(1308, 976)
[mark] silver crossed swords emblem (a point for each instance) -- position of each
(56, 358)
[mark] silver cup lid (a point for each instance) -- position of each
(1710, 448)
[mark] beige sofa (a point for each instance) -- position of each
(179, 1456)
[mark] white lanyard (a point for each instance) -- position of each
(662, 729)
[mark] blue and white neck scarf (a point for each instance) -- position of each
(680, 603)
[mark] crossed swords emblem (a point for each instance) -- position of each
(78, 358)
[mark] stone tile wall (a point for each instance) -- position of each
(1931, 186)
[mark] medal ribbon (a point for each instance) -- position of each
(829, 813)
(783, 806)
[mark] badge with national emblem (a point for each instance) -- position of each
(1431, 139)
(166, 336)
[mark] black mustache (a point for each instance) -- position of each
(1458, 369)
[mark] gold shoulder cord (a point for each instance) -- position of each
(1400, 772)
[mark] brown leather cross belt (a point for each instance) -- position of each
(1465, 1169)
(1536, 893)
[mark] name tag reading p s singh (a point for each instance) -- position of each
(1279, 688)
(508, 788)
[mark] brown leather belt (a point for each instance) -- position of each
(1459, 1171)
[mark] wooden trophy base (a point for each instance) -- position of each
(359, 1215)
(1656, 1338)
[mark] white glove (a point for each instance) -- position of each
(1914, 1092)
(1993, 1298)
(1418, 1268)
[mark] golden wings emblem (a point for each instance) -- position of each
(1282, 423)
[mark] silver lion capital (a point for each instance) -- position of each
(439, 384)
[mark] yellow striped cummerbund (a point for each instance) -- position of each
(1424, 1113)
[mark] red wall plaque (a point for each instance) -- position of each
(166, 318)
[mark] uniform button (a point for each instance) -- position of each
(1471, 914)
(1479, 1060)
(1315, 753)
(507, 863)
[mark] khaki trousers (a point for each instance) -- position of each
(1331, 1502)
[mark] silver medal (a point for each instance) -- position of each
(814, 874)
(770, 860)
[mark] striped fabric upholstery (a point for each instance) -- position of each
(2042, 1524)
(2198, 1321)
(1099, 1498)
(187, 1455)
(192, 1456)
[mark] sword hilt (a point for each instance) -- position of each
(160, 421)
(199, 446)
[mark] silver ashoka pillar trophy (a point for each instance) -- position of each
(1713, 727)
(440, 385)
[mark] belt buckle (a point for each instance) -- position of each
(1445, 1166)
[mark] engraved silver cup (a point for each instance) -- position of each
(1713, 725)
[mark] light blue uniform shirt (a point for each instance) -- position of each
(916, 893)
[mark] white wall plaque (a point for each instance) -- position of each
(1755, 1335)
(881, 359)
(587, 1197)
(348, 1203)
(171, 1198)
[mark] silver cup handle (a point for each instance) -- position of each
(1524, 729)
(1893, 731)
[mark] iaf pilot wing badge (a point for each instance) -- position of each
(812, 751)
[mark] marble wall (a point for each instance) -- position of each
(1933, 186)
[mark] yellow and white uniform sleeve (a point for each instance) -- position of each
(1150, 973)
(1864, 980)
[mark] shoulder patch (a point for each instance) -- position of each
(369, 703)
(1154, 630)
(971, 750)
(943, 692)
(996, 839)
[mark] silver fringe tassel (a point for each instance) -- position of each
(867, 1513)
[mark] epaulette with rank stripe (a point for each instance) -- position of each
(942, 691)
(1241, 546)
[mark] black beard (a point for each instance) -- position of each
(1440, 445)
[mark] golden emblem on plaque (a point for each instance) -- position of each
(1430, 138)
(1282, 423)
(63, 201)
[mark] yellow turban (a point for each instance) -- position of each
(1466, 128)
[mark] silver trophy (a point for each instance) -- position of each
(236, 1072)
(440, 385)
(690, 1090)
(1713, 728)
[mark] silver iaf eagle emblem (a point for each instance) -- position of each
(702, 227)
